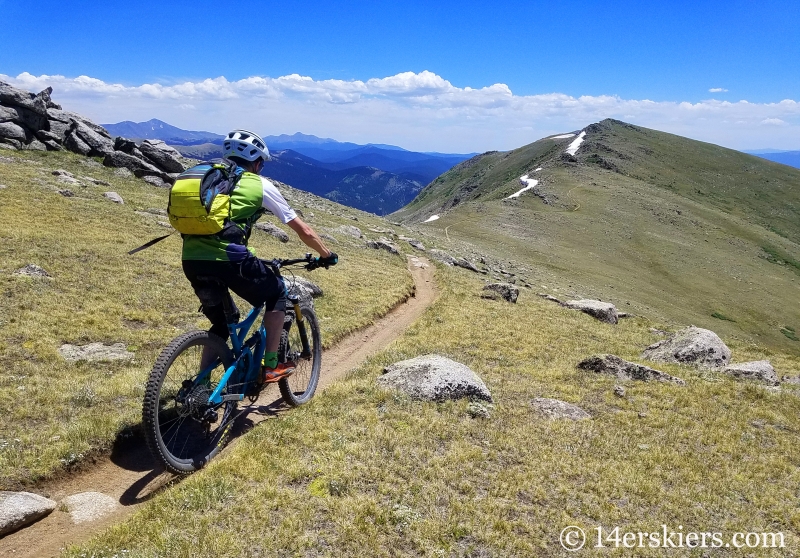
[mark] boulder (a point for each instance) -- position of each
(442, 256)
(123, 172)
(66, 193)
(8, 114)
(162, 155)
(68, 117)
(114, 197)
(166, 177)
(312, 288)
(11, 96)
(466, 264)
(496, 291)
(18, 509)
(417, 245)
(603, 311)
(760, 370)
(126, 146)
(156, 181)
(59, 130)
(791, 380)
(272, 230)
(8, 143)
(692, 345)
(119, 159)
(24, 117)
(12, 131)
(94, 352)
(551, 298)
(305, 289)
(32, 270)
(350, 230)
(383, 244)
(100, 145)
(36, 145)
(434, 378)
(47, 135)
(75, 144)
(44, 95)
(89, 506)
(556, 409)
(624, 370)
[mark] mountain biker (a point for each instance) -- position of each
(211, 259)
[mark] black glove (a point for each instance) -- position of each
(333, 259)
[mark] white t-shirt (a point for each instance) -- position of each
(274, 202)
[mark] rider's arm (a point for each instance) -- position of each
(308, 236)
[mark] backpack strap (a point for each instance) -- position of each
(150, 243)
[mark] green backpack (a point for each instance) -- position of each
(200, 199)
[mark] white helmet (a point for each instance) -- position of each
(245, 144)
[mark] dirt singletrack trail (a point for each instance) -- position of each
(131, 476)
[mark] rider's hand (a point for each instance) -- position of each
(333, 259)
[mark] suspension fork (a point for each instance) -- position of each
(301, 326)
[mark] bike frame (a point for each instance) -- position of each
(254, 346)
(240, 348)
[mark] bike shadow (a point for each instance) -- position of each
(130, 452)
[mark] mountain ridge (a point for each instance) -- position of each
(640, 216)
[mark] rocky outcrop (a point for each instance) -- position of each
(32, 270)
(442, 256)
(305, 289)
(497, 291)
(34, 122)
(114, 197)
(692, 345)
(603, 311)
(466, 264)
(272, 230)
(434, 378)
(383, 244)
(18, 509)
(624, 370)
(556, 409)
(759, 370)
(94, 352)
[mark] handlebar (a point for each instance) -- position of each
(310, 261)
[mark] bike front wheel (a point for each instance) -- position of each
(301, 342)
(181, 429)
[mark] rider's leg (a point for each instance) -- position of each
(273, 323)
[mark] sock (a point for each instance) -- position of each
(270, 359)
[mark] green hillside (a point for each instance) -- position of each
(58, 414)
(360, 471)
(663, 226)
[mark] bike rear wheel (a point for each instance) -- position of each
(181, 429)
(302, 343)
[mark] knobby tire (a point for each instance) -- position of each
(180, 435)
(299, 388)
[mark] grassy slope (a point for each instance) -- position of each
(363, 472)
(681, 230)
(54, 413)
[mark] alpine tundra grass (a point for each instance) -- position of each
(366, 472)
(56, 414)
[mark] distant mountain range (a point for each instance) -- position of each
(375, 177)
(791, 158)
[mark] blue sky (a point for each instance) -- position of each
(666, 52)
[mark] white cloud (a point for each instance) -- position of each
(717, 90)
(421, 111)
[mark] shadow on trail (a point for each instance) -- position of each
(130, 452)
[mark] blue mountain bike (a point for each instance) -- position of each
(188, 412)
